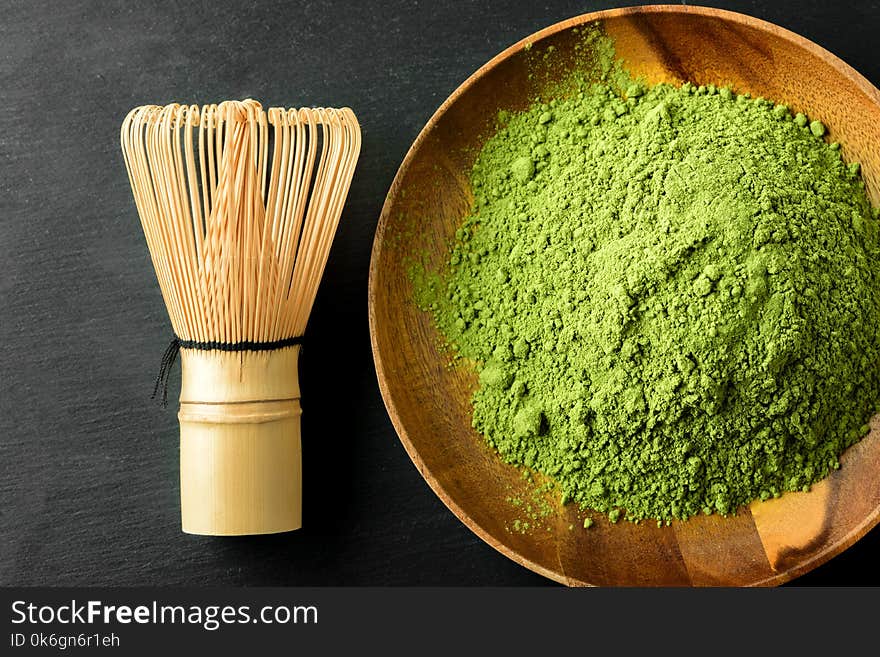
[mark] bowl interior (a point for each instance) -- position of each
(429, 401)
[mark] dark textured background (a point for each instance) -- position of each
(88, 465)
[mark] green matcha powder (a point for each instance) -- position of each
(671, 295)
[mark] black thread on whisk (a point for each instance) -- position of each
(177, 344)
(168, 359)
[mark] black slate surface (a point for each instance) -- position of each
(88, 465)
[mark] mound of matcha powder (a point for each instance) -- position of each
(671, 295)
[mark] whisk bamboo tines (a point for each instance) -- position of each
(239, 207)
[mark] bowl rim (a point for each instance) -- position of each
(796, 570)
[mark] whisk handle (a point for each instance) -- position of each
(240, 446)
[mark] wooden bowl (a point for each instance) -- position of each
(765, 544)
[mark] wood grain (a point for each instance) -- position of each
(765, 544)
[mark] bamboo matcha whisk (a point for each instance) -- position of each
(239, 207)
